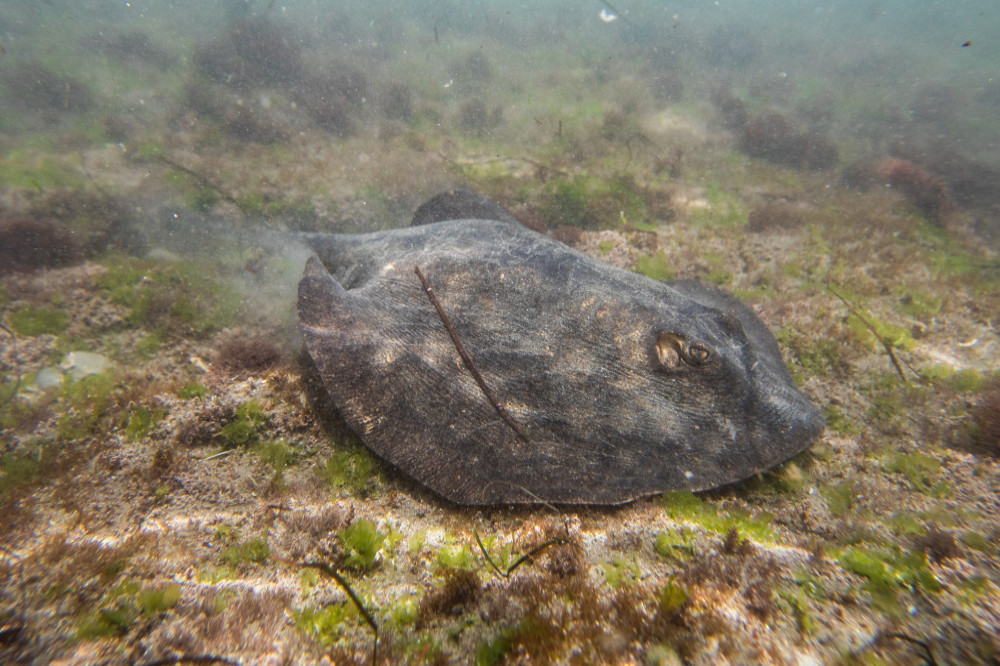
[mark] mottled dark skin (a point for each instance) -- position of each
(621, 386)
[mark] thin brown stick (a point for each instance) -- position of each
(205, 182)
(519, 561)
(468, 359)
(345, 586)
(885, 343)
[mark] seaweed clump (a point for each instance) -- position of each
(460, 594)
(29, 244)
(333, 99)
(733, 110)
(250, 355)
(397, 102)
(36, 87)
(476, 118)
(97, 222)
(938, 545)
(131, 48)
(247, 123)
(984, 432)
(251, 53)
(924, 190)
(775, 215)
(473, 71)
(771, 136)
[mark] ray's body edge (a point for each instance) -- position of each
(427, 418)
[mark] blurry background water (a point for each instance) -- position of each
(294, 108)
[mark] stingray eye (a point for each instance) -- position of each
(674, 351)
(697, 354)
(669, 349)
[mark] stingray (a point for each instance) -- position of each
(496, 365)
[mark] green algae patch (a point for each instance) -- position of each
(839, 497)
(246, 428)
(672, 599)
(159, 599)
(967, 380)
(351, 468)
(329, 624)
(921, 471)
(185, 298)
(838, 422)
(672, 545)
(37, 171)
(685, 505)
(191, 391)
(253, 551)
(140, 421)
(590, 202)
(621, 571)
(278, 455)
(655, 266)
(979, 542)
(21, 468)
(456, 556)
(919, 305)
(890, 571)
(362, 542)
(91, 406)
(149, 346)
(123, 606)
(29, 321)
(898, 337)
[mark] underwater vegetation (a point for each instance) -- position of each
(247, 355)
(396, 102)
(472, 71)
(984, 425)
(132, 47)
(476, 118)
(30, 244)
(775, 215)
(334, 97)
(773, 137)
(924, 190)
(35, 87)
(252, 53)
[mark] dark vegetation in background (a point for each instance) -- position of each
(247, 355)
(258, 54)
(983, 433)
(334, 97)
(29, 244)
(64, 227)
(473, 71)
(99, 222)
(135, 48)
(662, 72)
(925, 191)
(476, 118)
(34, 87)
(396, 102)
(773, 137)
(731, 47)
(775, 215)
(252, 53)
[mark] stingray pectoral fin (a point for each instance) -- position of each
(324, 306)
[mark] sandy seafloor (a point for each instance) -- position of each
(160, 498)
